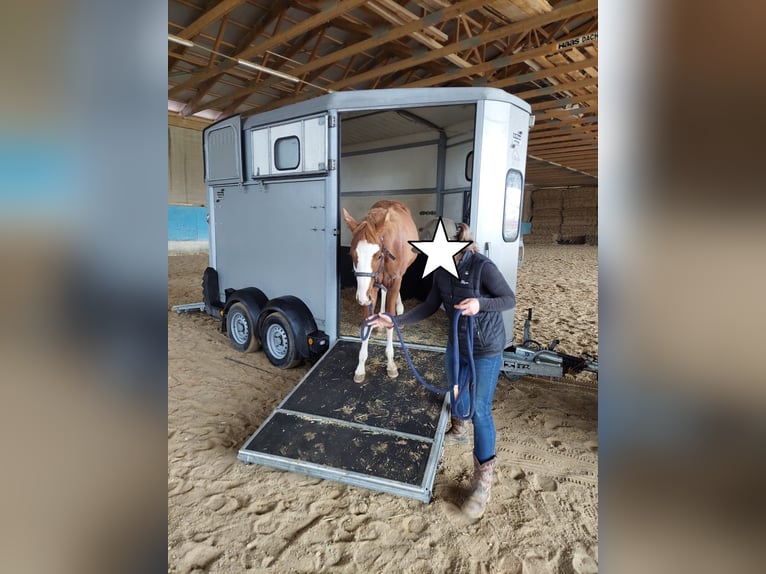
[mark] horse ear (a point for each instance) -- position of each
(350, 221)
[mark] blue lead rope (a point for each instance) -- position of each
(456, 387)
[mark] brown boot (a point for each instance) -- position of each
(458, 433)
(481, 485)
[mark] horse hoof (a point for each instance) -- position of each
(393, 373)
(358, 378)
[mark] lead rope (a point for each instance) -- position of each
(457, 388)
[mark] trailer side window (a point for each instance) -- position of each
(287, 153)
(512, 209)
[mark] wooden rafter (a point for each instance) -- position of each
(571, 9)
(373, 42)
(355, 44)
(520, 27)
(500, 63)
(337, 8)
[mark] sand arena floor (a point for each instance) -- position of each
(227, 517)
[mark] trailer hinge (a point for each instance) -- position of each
(331, 121)
(331, 165)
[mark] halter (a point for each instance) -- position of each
(384, 253)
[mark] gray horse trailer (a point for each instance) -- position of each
(279, 254)
(277, 182)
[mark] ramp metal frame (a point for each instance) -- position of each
(187, 307)
(384, 455)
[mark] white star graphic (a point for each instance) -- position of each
(440, 251)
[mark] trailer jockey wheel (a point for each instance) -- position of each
(239, 326)
(279, 341)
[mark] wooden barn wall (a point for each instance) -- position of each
(186, 184)
(562, 215)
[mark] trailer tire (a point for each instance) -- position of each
(241, 329)
(279, 341)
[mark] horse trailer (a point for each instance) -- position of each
(277, 182)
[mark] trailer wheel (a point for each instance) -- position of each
(241, 329)
(279, 341)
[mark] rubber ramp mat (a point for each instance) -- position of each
(384, 434)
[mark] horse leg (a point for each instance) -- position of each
(359, 373)
(382, 308)
(391, 369)
(399, 304)
(395, 302)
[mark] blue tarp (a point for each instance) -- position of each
(187, 223)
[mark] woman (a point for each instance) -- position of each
(481, 292)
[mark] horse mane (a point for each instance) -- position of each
(370, 228)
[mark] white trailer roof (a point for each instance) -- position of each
(384, 99)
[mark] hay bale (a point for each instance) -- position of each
(579, 212)
(552, 194)
(580, 197)
(546, 213)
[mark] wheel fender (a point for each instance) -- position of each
(298, 315)
(210, 294)
(252, 298)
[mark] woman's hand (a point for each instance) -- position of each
(469, 306)
(379, 320)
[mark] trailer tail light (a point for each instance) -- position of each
(512, 209)
(318, 342)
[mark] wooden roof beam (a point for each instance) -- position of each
(394, 14)
(556, 89)
(512, 29)
(335, 8)
(393, 34)
(215, 13)
(519, 27)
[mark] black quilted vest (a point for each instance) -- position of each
(489, 330)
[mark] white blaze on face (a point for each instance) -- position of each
(364, 254)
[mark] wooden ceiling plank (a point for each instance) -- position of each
(218, 38)
(572, 146)
(379, 8)
(277, 8)
(197, 106)
(393, 34)
(566, 132)
(521, 78)
(565, 12)
(562, 102)
(555, 89)
(215, 13)
(497, 64)
(569, 10)
(335, 9)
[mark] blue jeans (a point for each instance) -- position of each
(487, 373)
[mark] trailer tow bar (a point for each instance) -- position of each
(531, 358)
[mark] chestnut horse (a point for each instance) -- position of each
(381, 255)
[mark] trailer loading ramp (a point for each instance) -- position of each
(384, 434)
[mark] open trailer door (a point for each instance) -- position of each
(384, 435)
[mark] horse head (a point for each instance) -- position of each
(368, 255)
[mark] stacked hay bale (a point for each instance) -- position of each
(579, 223)
(546, 213)
(562, 215)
